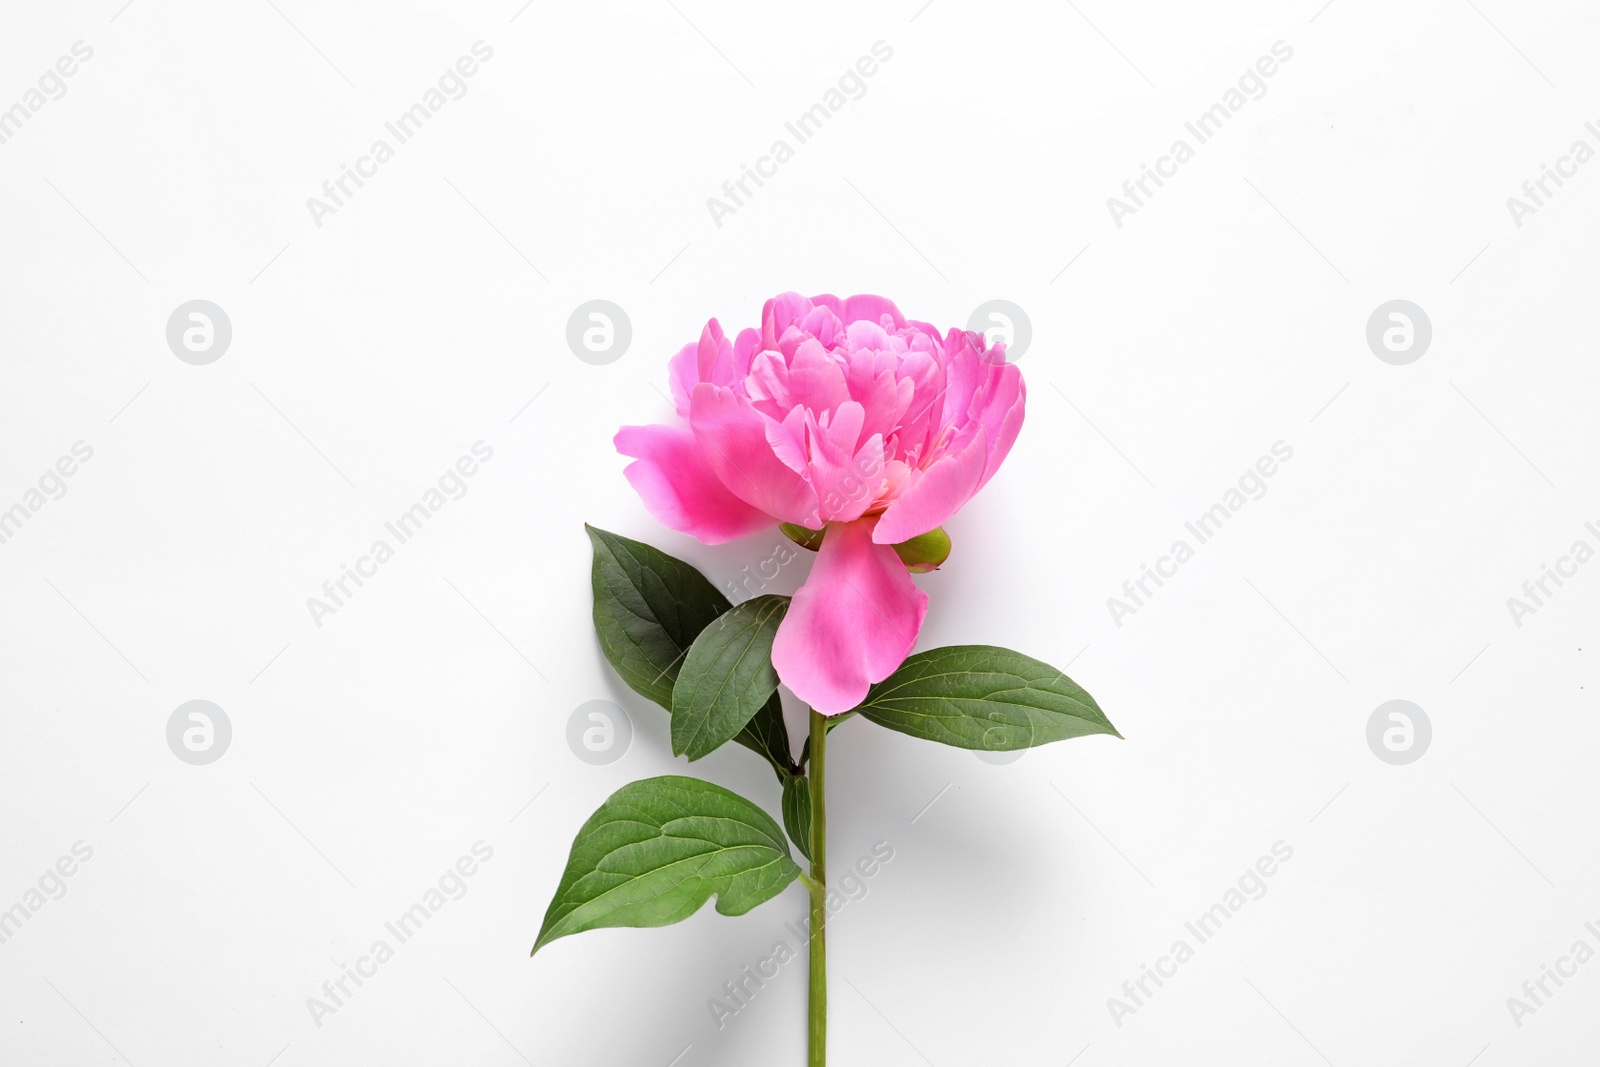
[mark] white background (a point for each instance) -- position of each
(429, 313)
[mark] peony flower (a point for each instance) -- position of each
(840, 416)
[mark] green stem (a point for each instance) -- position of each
(817, 1031)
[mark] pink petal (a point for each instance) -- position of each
(866, 335)
(884, 399)
(933, 495)
(964, 375)
(821, 323)
(681, 489)
(683, 374)
(791, 444)
(811, 378)
(843, 429)
(714, 355)
(920, 421)
(745, 347)
(713, 359)
(847, 479)
(778, 313)
(737, 441)
(862, 308)
(1001, 430)
(853, 622)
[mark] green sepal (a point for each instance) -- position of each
(803, 536)
(924, 552)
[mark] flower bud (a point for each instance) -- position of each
(925, 552)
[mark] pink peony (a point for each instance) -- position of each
(837, 415)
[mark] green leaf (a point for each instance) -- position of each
(983, 697)
(648, 609)
(797, 812)
(766, 735)
(727, 676)
(658, 849)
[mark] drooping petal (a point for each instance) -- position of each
(737, 441)
(681, 489)
(851, 624)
